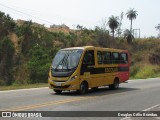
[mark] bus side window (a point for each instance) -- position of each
(88, 58)
(100, 57)
(115, 57)
(124, 58)
(107, 58)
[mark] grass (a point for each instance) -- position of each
(24, 86)
(145, 71)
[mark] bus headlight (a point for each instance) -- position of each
(72, 78)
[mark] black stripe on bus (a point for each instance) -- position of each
(93, 70)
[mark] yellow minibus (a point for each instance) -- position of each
(81, 68)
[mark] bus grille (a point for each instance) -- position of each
(66, 86)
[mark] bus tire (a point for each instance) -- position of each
(83, 88)
(58, 91)
(115, 85)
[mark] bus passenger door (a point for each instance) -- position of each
(87, 67)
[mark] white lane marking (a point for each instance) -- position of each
(151, 107)
(129, 118)
(23, 89)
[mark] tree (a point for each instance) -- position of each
(80, 27)
(25, 33)
(158, 29)
(39, 63)
(102, 37)
(6, 61)
(128, 35)
(6, 25)
(131, 15)
(113, 24)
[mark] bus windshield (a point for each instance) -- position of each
(66, 59)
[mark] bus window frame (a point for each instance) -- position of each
(102, 58)
(109, 61)
(124, 61)
(93, 57)
(116, 61)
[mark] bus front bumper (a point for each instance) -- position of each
(65, 86)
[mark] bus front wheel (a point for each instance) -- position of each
(83, 88)
(115, 85)
(58, 91)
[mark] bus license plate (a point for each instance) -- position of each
(58, 84)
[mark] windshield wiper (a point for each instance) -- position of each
(65, 62)
(59, 63)
(62, 61)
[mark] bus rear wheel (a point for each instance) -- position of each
(115, 85)
(58, 91)
(83, 88)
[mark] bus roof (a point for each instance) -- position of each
(96, 48)
(72, 48)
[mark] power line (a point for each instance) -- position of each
(26, 14)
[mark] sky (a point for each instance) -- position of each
(88, 13)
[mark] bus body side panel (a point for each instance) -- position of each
(105, 73)
(110, 74)
(124, 69)
(123, 73)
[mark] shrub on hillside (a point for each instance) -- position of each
(154, 58)
(6, 61)
(40, 63)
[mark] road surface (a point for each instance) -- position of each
(136, 95)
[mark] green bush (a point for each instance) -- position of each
(145, 71)
(134, 70)
(39, 64)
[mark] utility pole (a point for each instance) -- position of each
(136, 33)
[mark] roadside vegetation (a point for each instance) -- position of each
(24, 86)
(27, 50)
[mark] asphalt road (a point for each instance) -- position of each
(136, 95)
